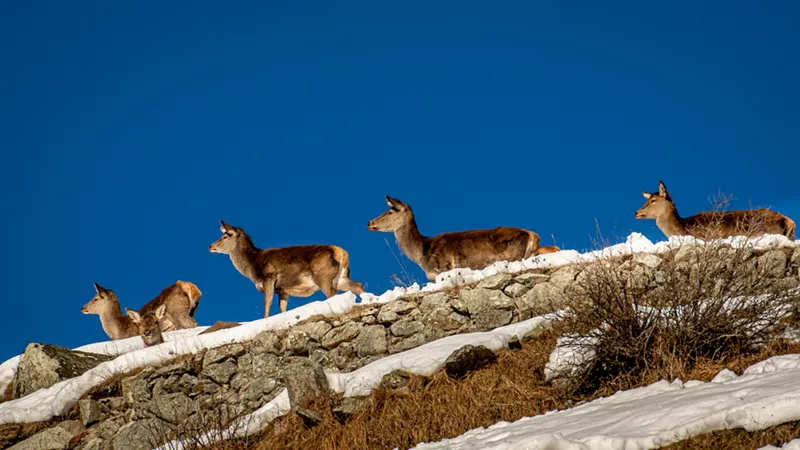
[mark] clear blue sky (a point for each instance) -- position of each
(129, 129)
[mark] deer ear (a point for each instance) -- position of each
(133, 315)
(647, 195)
(395, 203)
(223, 226)
(662, 189)
(161, 312)
(99, 289)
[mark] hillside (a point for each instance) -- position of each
(192, 387)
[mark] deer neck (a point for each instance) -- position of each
(244, 259)
(114, 323)
(670, 223)
(411, 241)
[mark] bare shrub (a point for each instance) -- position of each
(705, 301)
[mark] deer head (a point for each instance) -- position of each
(229, 241)
(103, 300)
(657, 204)
(398, 215)
(148, 323)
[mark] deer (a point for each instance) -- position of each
(105, 304)
(711, 224)
(179, 301)
(298, 271)
(172, 309)
(474, 249)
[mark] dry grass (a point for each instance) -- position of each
(441, 407)
(739, 439)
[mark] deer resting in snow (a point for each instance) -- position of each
(711, 225)
(172, 309)
(475, 249)
(298, 271)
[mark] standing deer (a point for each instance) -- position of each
(106, 305)
(475, 249)
(710, 225)
(298, 271)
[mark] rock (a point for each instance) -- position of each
(90, 411)
(220, 373)
(342, 355)
(773, 263)
(73, 427)
(348, 407)
(401, 345)
(478, 299)
(266, 342)
(647, 259)
(135, 390)
(564, 276)
(406, 327)
(92, 444)
(529, 279)
(43, 365)
(371, 341)
(515, 290)
(108, 428)
(497, 281)
(315, 330)
(796, 257)
(172, 408)
(310, 418)
(305, 381)
(395, 379)
(180, 367)
(255, 389)
(390, 311)
(297, 342)
(345, 333)
(369, 320)
(186, 383)
(113, 403)
(258, 365)
(139, 435)
(54, 438)
(490, 319)
(638, 277)
(204, 387)
(543, 298)
(443, 318)
(467, 359)
(514, 344)
(216, 355)
(434, 301)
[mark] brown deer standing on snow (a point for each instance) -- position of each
(298, 271)
(475, 249)
(714, 224)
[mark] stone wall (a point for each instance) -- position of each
(143, 409)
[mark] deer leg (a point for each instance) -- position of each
(284, 301)
(268, 287)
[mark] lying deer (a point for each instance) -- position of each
(173, 309)
(298, 271)
(106, 305)
(179, 300)
(710, 225)
(475, 249)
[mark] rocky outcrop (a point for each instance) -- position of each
(181, 398)
(43, 365)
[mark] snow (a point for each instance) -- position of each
(427, 359)
(765, 395)
(791, 445)
(59, 398)
(244, 426)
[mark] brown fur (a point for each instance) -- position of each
(182, 299)
(475, 249)
(219, 325)
(709, 225)
(297, 271)
(106, 305)
(149, 324)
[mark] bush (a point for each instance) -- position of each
(644, 316)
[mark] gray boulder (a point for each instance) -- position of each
(54, 438)
(773, 263)
(443, 318)
(467, 359)
(475, 300)
(406, 327)
(371, 341)
(515, 290)
(345, 333)
(564, 276)
(497, 281)
(305, 380)
(43, 365)
(543, 297)
(490, 319)
(90, 410)
(391, 311)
